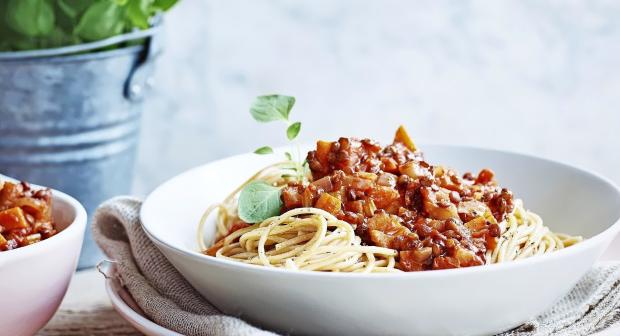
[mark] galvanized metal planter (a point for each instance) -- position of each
(70, 117)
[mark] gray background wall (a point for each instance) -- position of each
(540, 77)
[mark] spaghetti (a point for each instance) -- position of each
(303, 238)
(524, 235)
(379, 210)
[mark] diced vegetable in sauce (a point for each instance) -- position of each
(434, 218)
(25, 215)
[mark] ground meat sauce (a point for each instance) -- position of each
(433, 217)
(25, 215)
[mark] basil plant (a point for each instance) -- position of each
(42, 24)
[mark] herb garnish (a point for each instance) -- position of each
(264, 150)
(259, 200)
(276, 107)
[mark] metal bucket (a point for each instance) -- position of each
(69, 118)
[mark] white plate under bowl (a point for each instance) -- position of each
(128, 309)
(467, 301)
(124, 304)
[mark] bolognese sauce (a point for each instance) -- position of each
(25, 215)
(393, 198)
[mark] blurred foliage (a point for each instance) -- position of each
(41, 24)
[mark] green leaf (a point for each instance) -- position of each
(164, 5)
(73, 8)
(288, 156)
(138, 13)
(101, 20)
(31, 18)
(272, 107)
(293, 130)
(264, 150)
(259, 201)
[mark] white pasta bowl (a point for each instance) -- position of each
(468, 301)
(35, 278)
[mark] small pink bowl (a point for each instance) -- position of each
(34, 279)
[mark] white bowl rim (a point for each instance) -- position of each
(76, 227)
(608, 233)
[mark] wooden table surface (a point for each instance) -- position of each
(86, 310)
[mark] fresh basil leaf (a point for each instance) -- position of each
(164, 5)
(137, 12)
(259, 201)
(288, 156)
(272, 107)
(73, 8)
(102, 19)
(31, 18)
(264, 150)
(293, 130)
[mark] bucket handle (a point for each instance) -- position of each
(140, 78)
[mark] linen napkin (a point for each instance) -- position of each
(170, 301)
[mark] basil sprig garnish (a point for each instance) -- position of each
(259, 200)
(275, 108)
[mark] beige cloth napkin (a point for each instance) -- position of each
(170, 301)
